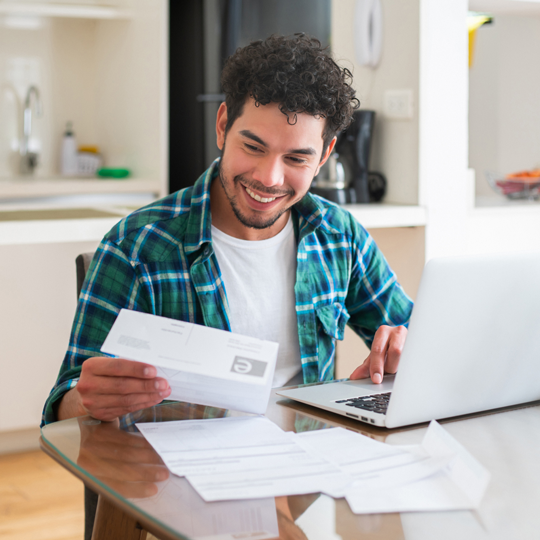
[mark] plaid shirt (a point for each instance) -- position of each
(160, 260)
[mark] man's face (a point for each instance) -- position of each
(267, 166)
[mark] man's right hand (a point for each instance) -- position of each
(111, 387)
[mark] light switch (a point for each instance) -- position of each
(398, 104)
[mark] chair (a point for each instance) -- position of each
(82, 263)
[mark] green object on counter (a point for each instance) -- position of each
(113, 173)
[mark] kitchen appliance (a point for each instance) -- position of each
(345, 178)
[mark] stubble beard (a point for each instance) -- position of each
(255, 222)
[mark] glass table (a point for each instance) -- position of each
(137, 494)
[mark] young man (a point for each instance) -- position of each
(247, 248)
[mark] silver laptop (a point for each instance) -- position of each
(473, 345)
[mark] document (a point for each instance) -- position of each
(459, 485)
(203, 365)
(241, 458)
(370, 464)
(250, 458)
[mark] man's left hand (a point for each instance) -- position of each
(385, 354)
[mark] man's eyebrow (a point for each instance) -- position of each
(309, 151)
(253, 137)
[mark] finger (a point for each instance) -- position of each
(362, 371)
(93, 402)
(107, 415)
(97, 384)
(379, 348)
(395, 347)
(119, 367)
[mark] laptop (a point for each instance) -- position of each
(473, 345)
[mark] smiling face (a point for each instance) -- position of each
(267, 166)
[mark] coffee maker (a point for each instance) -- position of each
(345, 178)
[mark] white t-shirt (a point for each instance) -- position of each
(259, 278)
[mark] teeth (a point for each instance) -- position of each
(260, 199)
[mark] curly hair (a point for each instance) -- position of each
(297, 73)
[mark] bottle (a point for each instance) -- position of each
(68, 164)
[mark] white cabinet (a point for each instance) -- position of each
(38, 302)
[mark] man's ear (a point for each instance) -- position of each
(221, 123)
(326, 155)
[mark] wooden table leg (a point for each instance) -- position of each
(112, 523)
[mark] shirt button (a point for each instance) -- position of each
(206, 251)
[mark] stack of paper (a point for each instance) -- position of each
(250, 457)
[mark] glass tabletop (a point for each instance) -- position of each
(115, 457)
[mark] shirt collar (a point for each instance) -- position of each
(309, 212)
(198, 231)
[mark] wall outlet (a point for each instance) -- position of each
(398, 104)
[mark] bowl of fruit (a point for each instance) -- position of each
(518, 185)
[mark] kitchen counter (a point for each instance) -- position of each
(35, 186)
(384, 215)
(73, 218)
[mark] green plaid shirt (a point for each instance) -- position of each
(160, 260)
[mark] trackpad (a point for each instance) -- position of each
(340, 390)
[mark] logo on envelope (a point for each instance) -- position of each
(247, 366)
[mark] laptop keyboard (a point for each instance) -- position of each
(377, 403)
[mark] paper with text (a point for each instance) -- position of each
(459, 485)
(203, 365)
(250, 457)
(240, 458)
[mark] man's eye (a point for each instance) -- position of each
(298, 161)
(251, 147)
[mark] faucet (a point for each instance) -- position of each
(29, 160)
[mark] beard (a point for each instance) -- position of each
(256, 221)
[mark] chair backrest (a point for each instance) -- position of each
(82, 262)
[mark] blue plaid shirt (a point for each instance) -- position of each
(160, 260)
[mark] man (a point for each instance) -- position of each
(247, 248)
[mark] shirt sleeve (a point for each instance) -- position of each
(374, 297)
(111, 283)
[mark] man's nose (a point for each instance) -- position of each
(269, 172)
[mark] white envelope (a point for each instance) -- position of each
(203, 365)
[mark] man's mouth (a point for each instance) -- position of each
(258, 198)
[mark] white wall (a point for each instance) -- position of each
(504, 118)
(395, 144)
(131, 97)
(443, 103)
(57, 57)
